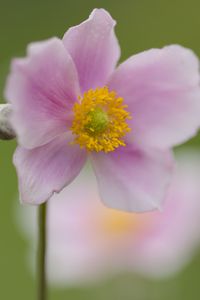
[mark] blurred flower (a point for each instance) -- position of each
(68, 101)
(88, 241)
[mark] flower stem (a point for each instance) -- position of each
(42, 285)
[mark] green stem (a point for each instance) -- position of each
(42, 285)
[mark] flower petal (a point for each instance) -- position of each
(42, 89)
(164, 247)
(161, 88)
(132, 179)
(94, 49)
(47, 169)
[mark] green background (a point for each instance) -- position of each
(142, 24)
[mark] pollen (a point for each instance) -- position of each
(100, 120)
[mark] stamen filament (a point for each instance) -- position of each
(100, 121)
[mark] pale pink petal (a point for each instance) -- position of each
(164, 247)
(42, 89)
(156, 244)
(94, 48)
(132, 179)
(78, 256)
(47, 169)
(161, 88)
(76, 250)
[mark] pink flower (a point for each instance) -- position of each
(88, 241)
(70, 104)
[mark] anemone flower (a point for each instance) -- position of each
(71, 103)
(88, 241)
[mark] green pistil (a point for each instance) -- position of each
(98, 121)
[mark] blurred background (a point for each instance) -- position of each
(141, 24)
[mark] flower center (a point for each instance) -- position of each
(100, 120)
(119, 223)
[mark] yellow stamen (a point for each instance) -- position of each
(100, 120)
